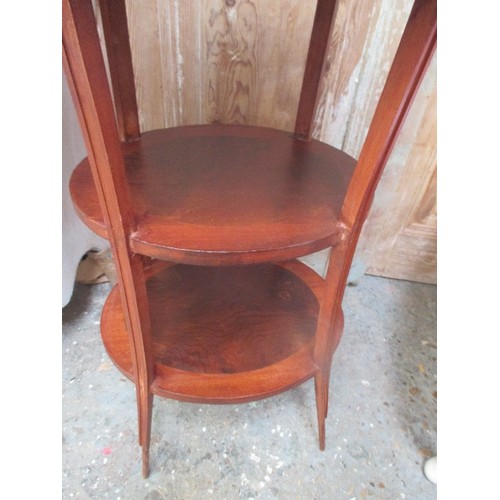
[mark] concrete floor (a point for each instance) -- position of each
(380, 430)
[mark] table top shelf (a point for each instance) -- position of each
(217, 194)
(242, 333)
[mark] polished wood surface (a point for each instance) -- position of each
(250, 328)
(119, 56)
(196, 65)
(226, 194)
(213, 196)
(86, 73)
(324, 19)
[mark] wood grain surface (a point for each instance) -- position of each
(241, 61)
(219, 61)
(224, 335)
(227, 194)
(404, 244)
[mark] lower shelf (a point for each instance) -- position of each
(224, 334)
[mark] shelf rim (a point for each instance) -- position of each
(217, 388)
(302, 237)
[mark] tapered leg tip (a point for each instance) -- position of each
(145, 464)
(322, 440)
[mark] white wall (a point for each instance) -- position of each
(77, 239)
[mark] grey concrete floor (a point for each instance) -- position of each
(380, 429)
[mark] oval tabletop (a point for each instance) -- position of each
(220, 194)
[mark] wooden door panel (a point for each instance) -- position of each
(400, 236)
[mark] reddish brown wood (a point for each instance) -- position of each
(114, 21)
(85, 71)
(217, 320)
(412, 58)
(225, 335)
(414, 54)
(316, 59)
(226, 194)
(220, 195)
